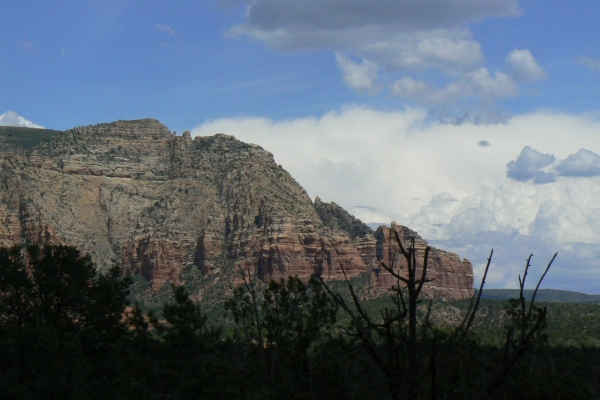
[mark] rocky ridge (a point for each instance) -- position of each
(136, 194)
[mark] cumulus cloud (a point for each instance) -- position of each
(11, 118)
(519, 218)
(529, 164)
(362, 78)
(392, 47)
(436, 179)
(410, 158)
(545, 168)
(481, 83)
(591, 63)
(397, 37)
(477, 83)
(524, 67)
(582, 163)
(475, 221)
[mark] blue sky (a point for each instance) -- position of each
(66, 63)
(463, 119)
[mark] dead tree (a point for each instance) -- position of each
(414, 356)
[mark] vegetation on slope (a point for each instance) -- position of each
(25, 138)
(563, 296)
(65, 333)
(336, 219)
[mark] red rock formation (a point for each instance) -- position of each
(449, 276)
(133, 193)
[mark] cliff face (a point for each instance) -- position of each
(133, 193)
(449, 276)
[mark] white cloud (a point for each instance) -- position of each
(362, 78)
(400, 38)
(395, 49)
(477, 83)
(451, 50)
(519, 218)
(545, 168)
(409, 157)
(524, 67)
(11, 118)
(582, 163)
(481, 83)
(475, 221)
(415, 89)
(399, 162)
(373, 216)
(529, 164)
(405, 35)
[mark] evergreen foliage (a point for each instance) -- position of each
(60, 322)
(25, 138)
(66, 332)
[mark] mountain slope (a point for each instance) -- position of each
(133, 193)
(561, 296)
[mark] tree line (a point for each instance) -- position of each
(69, 332)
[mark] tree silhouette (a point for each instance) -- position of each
(421, 361)
(60, 321)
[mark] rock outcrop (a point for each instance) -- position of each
(338, 219)
(448, 275)
(133, 193)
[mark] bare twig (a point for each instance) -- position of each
(470, 317)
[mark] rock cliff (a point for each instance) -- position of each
(134, 193)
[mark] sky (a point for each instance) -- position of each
(474, 122)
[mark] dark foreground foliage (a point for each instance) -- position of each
(60, 323)
(66, 332)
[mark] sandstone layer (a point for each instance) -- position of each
(136, 194)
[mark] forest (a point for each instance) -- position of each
(68, 331)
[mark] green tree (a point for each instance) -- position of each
(287, 331)
(175, 354)
(60, 323)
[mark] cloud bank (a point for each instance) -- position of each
(450, 182)
(11, 118)
(519, 218)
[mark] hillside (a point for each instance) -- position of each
(25, 138)
(548, 295)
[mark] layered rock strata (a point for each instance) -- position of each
(447, 275)
(136, 194)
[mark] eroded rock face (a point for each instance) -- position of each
(448, 275)
(133, 193)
